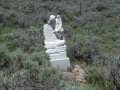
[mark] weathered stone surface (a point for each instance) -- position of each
(55, 42)
(61, 42)
(48, 32)
(58, 22)
(48, 35)
(50, 42)
(58, 27)
(63, 63)
(81, 80)
(81, 73)
(58, 55)
(76, 73)
(51, 51)
(50, 38)
(77, 66)
(50, 46)
(52, 21)
(61, 48)
(79, 77)
(76, 70)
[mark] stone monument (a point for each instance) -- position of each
(54, 42)
(58, 27)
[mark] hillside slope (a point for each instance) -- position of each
(92, 31)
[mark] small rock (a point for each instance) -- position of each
(84, 81)
(81, 70)
(77, 66)
(81, 73)
(80, 80)
(76, 70)
(76, 73)
(78, 77)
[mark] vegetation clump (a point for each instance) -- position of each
(91, 28)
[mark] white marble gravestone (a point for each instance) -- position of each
(55, 47)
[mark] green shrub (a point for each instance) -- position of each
(74, 25)
(23, 79)
(5, 82)
(95, 29)
(44, 16)
(8, 18)
(112, 69)
(41, 57)
(27, 40)
(4, 58)
(101, 7)
(94, 77)
(16, 60)
(68, 31)
(75, 85)
(86, 50)
(71, 49)
(50, 77)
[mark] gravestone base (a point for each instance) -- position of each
(63, 63)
